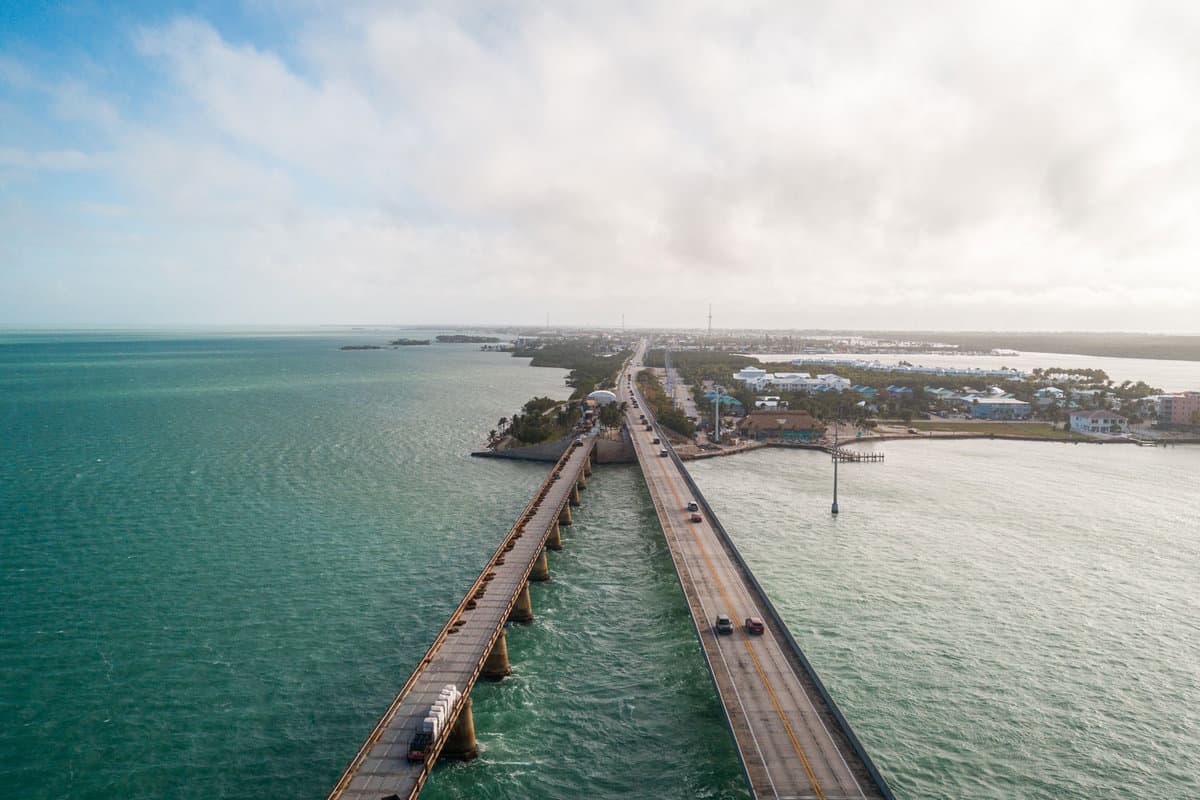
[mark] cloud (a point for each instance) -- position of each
(906, 165)
(54, 160)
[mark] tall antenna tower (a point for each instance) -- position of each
(710, 320)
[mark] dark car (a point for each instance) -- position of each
(656, 440)
(692, 506)
(755, 625)
(663, 453)
(724, 624)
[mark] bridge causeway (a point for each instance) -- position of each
(470, 646)
(793, 742)
(792, 739)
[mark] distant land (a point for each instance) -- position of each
(1171, 347)
(458, 338)
(1110, 345)
(394, 344)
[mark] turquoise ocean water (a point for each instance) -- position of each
(221, 555)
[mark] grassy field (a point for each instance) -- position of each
(1038, 430)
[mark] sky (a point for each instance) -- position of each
(851, 164)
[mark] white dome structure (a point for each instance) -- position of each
(602, 397)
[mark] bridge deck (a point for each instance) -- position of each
(792, 741)
(381, 767)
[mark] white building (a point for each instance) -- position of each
(753, 377)
(759, 379)
(834, 381)
(1098, 422)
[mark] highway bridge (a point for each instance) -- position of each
(792, 739)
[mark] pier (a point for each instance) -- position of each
(846, 454)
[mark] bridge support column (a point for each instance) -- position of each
(564, 516)
(581, 483)
(496, 666)
(523, 609)
(541, 569)
(554, 540)
(574, 501)
(587, 466)
(460, 744)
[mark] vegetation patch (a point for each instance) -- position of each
(668, 415)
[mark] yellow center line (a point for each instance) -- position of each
(750, 649)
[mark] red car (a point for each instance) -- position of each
(755, 625)
(697, 518)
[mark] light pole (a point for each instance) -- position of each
(834, 510)
(717, 415)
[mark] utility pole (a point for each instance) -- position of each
(710, 323)
(834, 510)
(717, 416)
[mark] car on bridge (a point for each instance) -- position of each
(724, 624)
(692, 506)
(656, 440)
(755, 625)
(697, 518)
(663, 453)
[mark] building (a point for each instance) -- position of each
(1048, 396)
(753, 377)
(602, 397)
(790, 426)
(758, 379)
(725, 400)
(1098, 422)
(1180, 409)
(999, 408)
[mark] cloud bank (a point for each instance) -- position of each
(919, 165)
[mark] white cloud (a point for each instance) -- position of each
(898, 165)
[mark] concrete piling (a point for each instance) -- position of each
(574, 501)
(460, 744)
(564, 516)
(554, 540)
(496, 666)
(541, 569)
(522, 610)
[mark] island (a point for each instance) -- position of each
(458, 338)
(392, 345)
